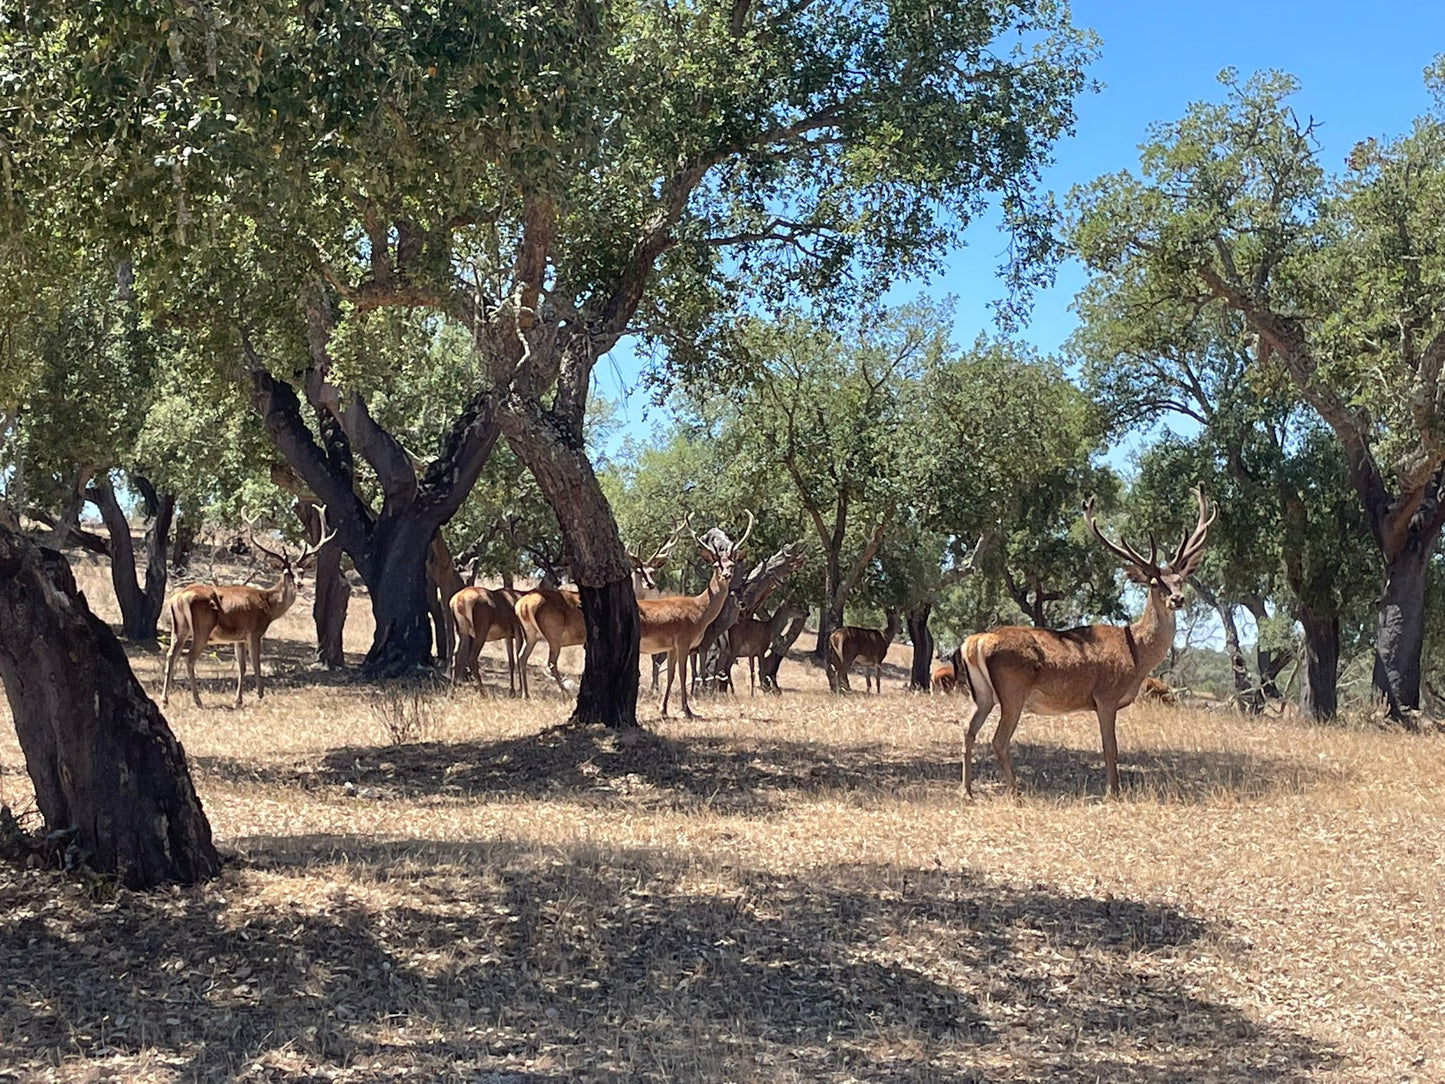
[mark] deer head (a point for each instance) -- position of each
(646, 568)
(291, 568)
(1165, 582)
(722, 554)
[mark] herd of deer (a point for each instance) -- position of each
(1099, 668)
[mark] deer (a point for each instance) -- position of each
(1093, 667)
(944, 678)
(208, 613)
(852, 643)
(676, 625)
(484, 614)
(553, 613)
(752, 638)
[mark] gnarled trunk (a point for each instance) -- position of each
(400, 600)
(608, 694)
(104, 763)
(1319, 683)
(920, 674)
(1400, 629)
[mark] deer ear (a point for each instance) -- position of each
(1137, 575)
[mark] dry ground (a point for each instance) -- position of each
(789, 889)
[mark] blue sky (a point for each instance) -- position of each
(1360, 66)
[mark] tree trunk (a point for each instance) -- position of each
(778, 651)
(69, 518)
(333, 593)
(399, 597)
(1319, 685)
(1266, 661)
(1400, 632)
(183, 538)
(443, 581)
(552, 450)
(830, 614)
(140, 609)
(921, 673)
(103, 761)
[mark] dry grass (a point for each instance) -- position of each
(788, 889)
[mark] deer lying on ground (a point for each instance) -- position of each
(484, 614)
(868, 646)
(676, 625)
(208, 613)
(1094, 667)
(752, 638)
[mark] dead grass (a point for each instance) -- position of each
(787, 889)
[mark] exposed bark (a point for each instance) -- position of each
(1320, 676)
(920, 675)
(103, 761)
(140, 607)
(608, 694)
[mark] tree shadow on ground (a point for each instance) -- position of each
(496, 962)
(595, 766)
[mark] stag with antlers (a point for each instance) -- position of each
(676, 625)
(207, 613)
(1094, 667)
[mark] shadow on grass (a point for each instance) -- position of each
(751, 776)
(499, 963)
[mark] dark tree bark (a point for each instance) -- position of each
(104, 763)
(389, 548)
(443, 581)
(1400, 629)
(608, 694)
(920, 674)
(1268, 662)
(68, 521)
(782, 643)
(140, 607)
(1320, 680)
(187, 525)
(1031, 598)
(333, 593)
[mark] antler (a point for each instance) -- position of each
(738, 545)
(308, 551)
(659, 556)
(1187, 556)
(1122, 549)
(251, 522)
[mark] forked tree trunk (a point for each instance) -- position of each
(1319, 685)
(140, 608)
(1400, 629)
(920, 674)
(103, 761)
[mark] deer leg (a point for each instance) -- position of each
(191, 655)
(1106, 711)
(671, 670)
(1008, 720)
(554, 652)
(752, 666)
(256, 664)
(527, 646)
(474, 660)
(686, 708)
(975, 724)
(511, 665)
(240, 646)
(175, 650)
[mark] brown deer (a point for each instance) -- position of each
(553, 613)
(945, 676)
(1094, 667)
(676, 625)
(207, 613)
(870, 646)
(484, 614)
(752, 638)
